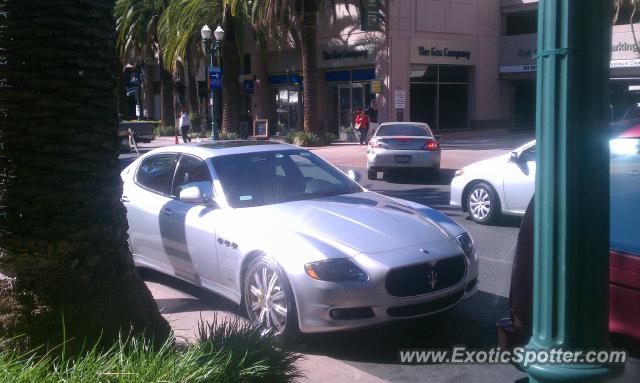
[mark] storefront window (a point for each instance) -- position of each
(439, 96)
(349, 91)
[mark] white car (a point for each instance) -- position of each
(302, 246)
(501, 185)
(402, 145)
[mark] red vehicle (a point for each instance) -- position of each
(624, 261)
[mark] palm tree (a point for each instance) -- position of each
(179, 33)
(137, 41)
(63, 232)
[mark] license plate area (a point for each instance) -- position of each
(403, 159)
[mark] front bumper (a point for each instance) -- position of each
(457, 187)
(386, 159)
(326, 307)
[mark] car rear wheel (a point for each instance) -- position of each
(483, 204)
(269, 300)
(372, 174)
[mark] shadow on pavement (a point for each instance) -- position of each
(419, 177)
(202, 299)
(471, 323)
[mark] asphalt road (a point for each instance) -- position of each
(374, 352)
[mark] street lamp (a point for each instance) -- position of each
(212, 48)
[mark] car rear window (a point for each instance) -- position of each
(403, 130)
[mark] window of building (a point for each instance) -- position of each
(246, 64)
(439, 96)
(521, 23)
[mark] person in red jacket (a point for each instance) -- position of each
(362, 125)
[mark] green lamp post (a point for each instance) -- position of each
(212, 48)
(571, 245)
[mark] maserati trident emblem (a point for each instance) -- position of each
(432, 279)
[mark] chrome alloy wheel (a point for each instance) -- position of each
(266, 300)
(480, 203)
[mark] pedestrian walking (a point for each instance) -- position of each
(362, 125)
(185, 124)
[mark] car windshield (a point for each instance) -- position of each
(403, 130)
(264, 178)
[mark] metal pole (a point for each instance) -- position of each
(216, 99)
(212, 99)
(571, 240)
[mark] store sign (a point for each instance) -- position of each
(332, 56)
(376, 86)
(518, 68)
(400, 98)
(336, 54)
(625, 63)
(443, 52)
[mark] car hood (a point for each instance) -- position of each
(491, 163)
(364, 222)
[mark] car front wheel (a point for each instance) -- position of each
(483, 204)
(269, 300)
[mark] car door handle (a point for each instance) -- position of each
(166, 211)
(124, 198)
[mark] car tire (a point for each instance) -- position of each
(269, 315)
(483, 205)
(372, 174)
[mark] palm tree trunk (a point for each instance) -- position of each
(167, 112)
(147, 91)
(192, 85)
(231, 71)
(310, 67)
(63, 230)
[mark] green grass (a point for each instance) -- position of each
(226, 352)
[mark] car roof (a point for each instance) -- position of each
(208, 149)
(405, 123)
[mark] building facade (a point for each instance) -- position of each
(455, 64)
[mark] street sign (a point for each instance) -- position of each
(215, 77)
(400, 98)
(370, 15)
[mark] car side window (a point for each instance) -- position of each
(192, 171)
(155, 173)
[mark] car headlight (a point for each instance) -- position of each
(335, 270)
(466, 243)
(459, 172)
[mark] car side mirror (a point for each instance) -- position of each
(192, 194)
(514, 157)
(354, 175)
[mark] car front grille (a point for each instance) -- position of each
(426, 278)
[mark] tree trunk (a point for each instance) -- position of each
(147, 91)
(63, 229)
(231, 71)
(167, 112)
(192, 85)
(310, 68)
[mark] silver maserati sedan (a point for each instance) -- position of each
(293, 239)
